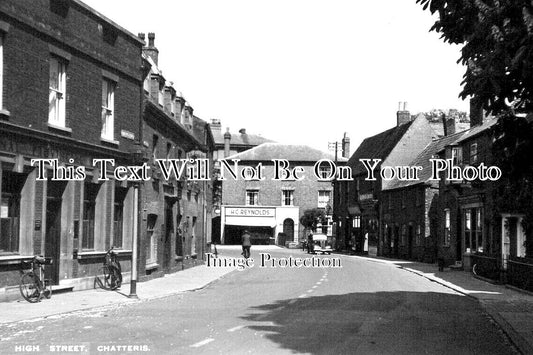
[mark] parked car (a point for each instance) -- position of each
(321, 244)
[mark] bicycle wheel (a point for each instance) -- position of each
(30, 287)
(47, 289)
(108, 279)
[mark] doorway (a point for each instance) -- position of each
(167, 236)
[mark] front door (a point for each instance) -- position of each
(53, 238)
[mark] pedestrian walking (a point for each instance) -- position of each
(246, 244)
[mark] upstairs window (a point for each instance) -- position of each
(287, 198)
(473, 153)
(457, 156)
(108, 109)
(252, 197)
(57, 93)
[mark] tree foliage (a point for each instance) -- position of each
(311, 217)
(498, 48)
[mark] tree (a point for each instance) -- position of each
(498, 49)
(311, 217)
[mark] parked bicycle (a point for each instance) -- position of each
(111, 278)
(33, 286)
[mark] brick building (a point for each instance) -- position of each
(227, 144)
(176, 213)
(70, 89)
(466, 208)
(358, 212)
(410, 209)
(271, 209)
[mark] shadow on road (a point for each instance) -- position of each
(380, 323)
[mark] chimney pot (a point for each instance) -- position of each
(151, 39)
(141, 35)
(242, 131)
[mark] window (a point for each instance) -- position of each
(169, 150)
(151, 246)
(446, 227)
(57, 93)
(324, 171)
(457, 156)
(10, 212)
(118, 216)
(89, 208)
(418, 237)
(473, 153)
(472, 229)
(108, 107)
(252, 197)
(356, 223)
(155, 141)
(404, 235)
(324, 196)
(287, 198)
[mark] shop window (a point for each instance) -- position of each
(10, 212)
(324, 196)
(118, 216)
(252, 197)
(89, 210)
(108, 109)
(57, 92)
(287, 198)
(151, 246)
(447, 225)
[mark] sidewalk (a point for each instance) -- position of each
(181, 281)
(511, 310)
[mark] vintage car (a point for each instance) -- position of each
(320, 244)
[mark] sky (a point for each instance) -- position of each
(299, 71)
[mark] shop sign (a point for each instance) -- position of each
(250, 212)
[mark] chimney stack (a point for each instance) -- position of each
(345, 146)
(227, 139)
(402, 116)
(476, 113)
(151, 50)
(448, 125)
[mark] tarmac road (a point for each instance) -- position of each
(362, 307)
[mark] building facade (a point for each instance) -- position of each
(70, 89)
(271, 208)
(176, 210)
(358, 215)
(226, 144)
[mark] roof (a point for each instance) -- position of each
(377, 147)
(423, 160)
(476, 130)
(245, 139)
(434, 148)
(291, 152)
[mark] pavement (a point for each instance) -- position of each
(511, 309)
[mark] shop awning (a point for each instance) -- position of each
(251, 221)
